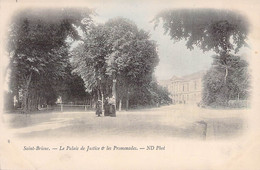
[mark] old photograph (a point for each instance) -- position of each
(125, 78)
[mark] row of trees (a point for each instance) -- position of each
(221, 31)
(39, 66)
(115, 58)
(118, 59)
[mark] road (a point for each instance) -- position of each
(178, 121)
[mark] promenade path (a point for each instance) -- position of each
(182, 121)
(183, 134)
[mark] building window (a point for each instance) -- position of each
(195, 85)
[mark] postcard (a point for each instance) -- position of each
(123, 84)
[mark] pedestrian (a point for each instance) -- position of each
(106, 107)
(99, 108)
(112, 103)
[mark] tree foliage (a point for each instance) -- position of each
(150, 94)
(221, 31)
(133, 54)
(39, 53)
(237, 86)
(116, 51)
(208, 29)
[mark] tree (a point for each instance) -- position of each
(71, 88)
(208, 29)
(150, 94)
(39, 52)
(221, 31)
(133, 58)
(234, 87)
(88, 61)
(114, 58)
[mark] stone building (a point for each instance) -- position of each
(186, 89)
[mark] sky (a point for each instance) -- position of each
(175, 58)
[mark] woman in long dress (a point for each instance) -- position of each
(106, 107)
(112, 109)
(99, 108)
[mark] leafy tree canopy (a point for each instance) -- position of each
(237, 85)
(39, 51)
(116, 50)
(209, 29)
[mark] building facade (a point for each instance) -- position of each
(186, 89)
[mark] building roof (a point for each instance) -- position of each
(175, 78)
(196, 75)
(164, 82)
(192, 76)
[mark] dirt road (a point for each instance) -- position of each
(167, 121)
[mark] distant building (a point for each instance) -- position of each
(186, 89)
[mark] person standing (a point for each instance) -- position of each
(99, 108)
(112, 106)
(106, 107)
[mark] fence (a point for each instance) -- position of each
(71, 107)
(238, 103)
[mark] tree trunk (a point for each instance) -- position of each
(26, 93)
(98, 94)
(225, 83)
(102, 99)
(90, 102)
(35, 103)
(33, 100)
(225, 79)
(120, 105)
(127, 98)
(114, 88)
(24, 100)
(16, 95)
